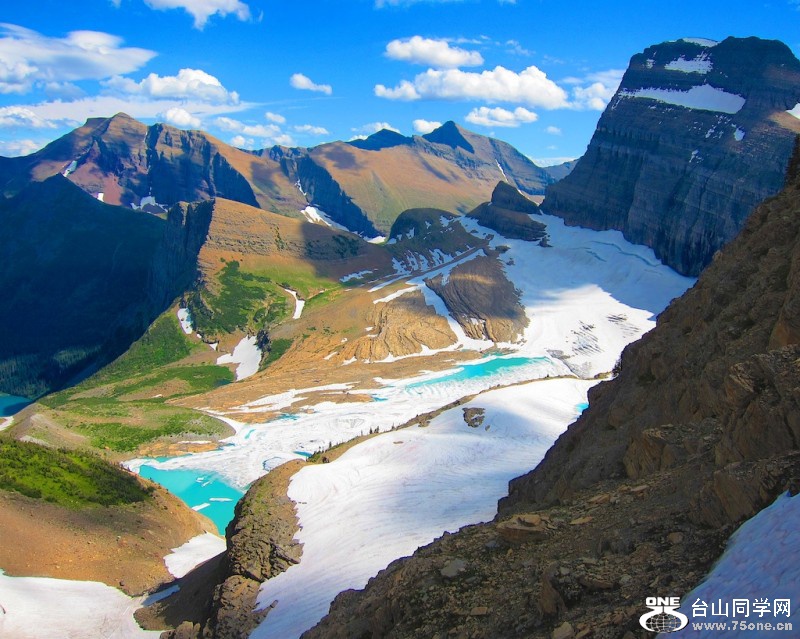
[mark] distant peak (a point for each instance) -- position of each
(383, 139)
(451, 135)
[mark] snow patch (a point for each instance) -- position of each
(101, 197)
(502, 172)
(247, 355)
(185, 319)
(355, 276)
(43, 608)
(703, 97)
(795, 111)
(194, 552)
(70, 168)
(318, 216)
(703, 42)
(738, 134)
(649, 63)
(762, 560)
(298, 303)
(393, 296)
(700, 64)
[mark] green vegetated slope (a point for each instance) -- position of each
(124, 406)
(67, 478)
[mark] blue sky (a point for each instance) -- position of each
(536, 73)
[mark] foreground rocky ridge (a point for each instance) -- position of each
(697, 433)
(695, 137)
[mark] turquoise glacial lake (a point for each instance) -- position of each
(488, 368)
(206, 493)
(12, 404)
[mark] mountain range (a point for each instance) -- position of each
(141, 261)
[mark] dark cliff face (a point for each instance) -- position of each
(684, 180)
(322, 190)
(76, 279)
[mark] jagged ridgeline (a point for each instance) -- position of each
(696, 136)
(97, 247)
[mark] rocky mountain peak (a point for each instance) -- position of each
(696, 136)
(383, 139)
(450, 134)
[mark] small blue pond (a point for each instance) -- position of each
(12, 404)
(488, 368)
(197, 489)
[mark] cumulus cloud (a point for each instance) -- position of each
(531, 87)
(268, 133)
(202, 10)
(373, 127)
(189, 84)
(553, 130)
(303, 82)
(242, 142)
(28, 58)
(484, 116)
(425, 126)
(14, 148)
(22, 117)
(274, 117)
(180, 118)
(436, 53)
(596, 89)
(311, 129)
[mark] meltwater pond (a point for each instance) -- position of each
(12, 404)
(491, 367)
(202, 491)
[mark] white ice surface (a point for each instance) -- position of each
(700, 64)
(298, 303)
(247, 355)
(44, 608)
(318, 216)
(762, 561)
(393, 493)
(795, 111)
(185, 319)
(194, 552)
(704, 97)
(587, 296)
(703, 42)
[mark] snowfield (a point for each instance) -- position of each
(704, 97)
(44, 608)
(247, 355)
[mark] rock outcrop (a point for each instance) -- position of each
(260, 546)
(697, 432)
(696, 136)
(509, 213)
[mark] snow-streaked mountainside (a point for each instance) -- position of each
(586, 295)
(698, 133)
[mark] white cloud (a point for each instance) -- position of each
(373, 127)
(300, 81)
(76, 111)
(553, 130)
(484, 116)
(242, 142)
(274, 117)
(531, 87)
(189, 84)
(405, 91)
(14, 148)
(515, 48)
(22, 117)
(553, 161)
(28, 58)
(180, 118)
(436, 53)
(202, 10)
(269, 133)
(597, 94)
(312, 130)
(425, 126)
